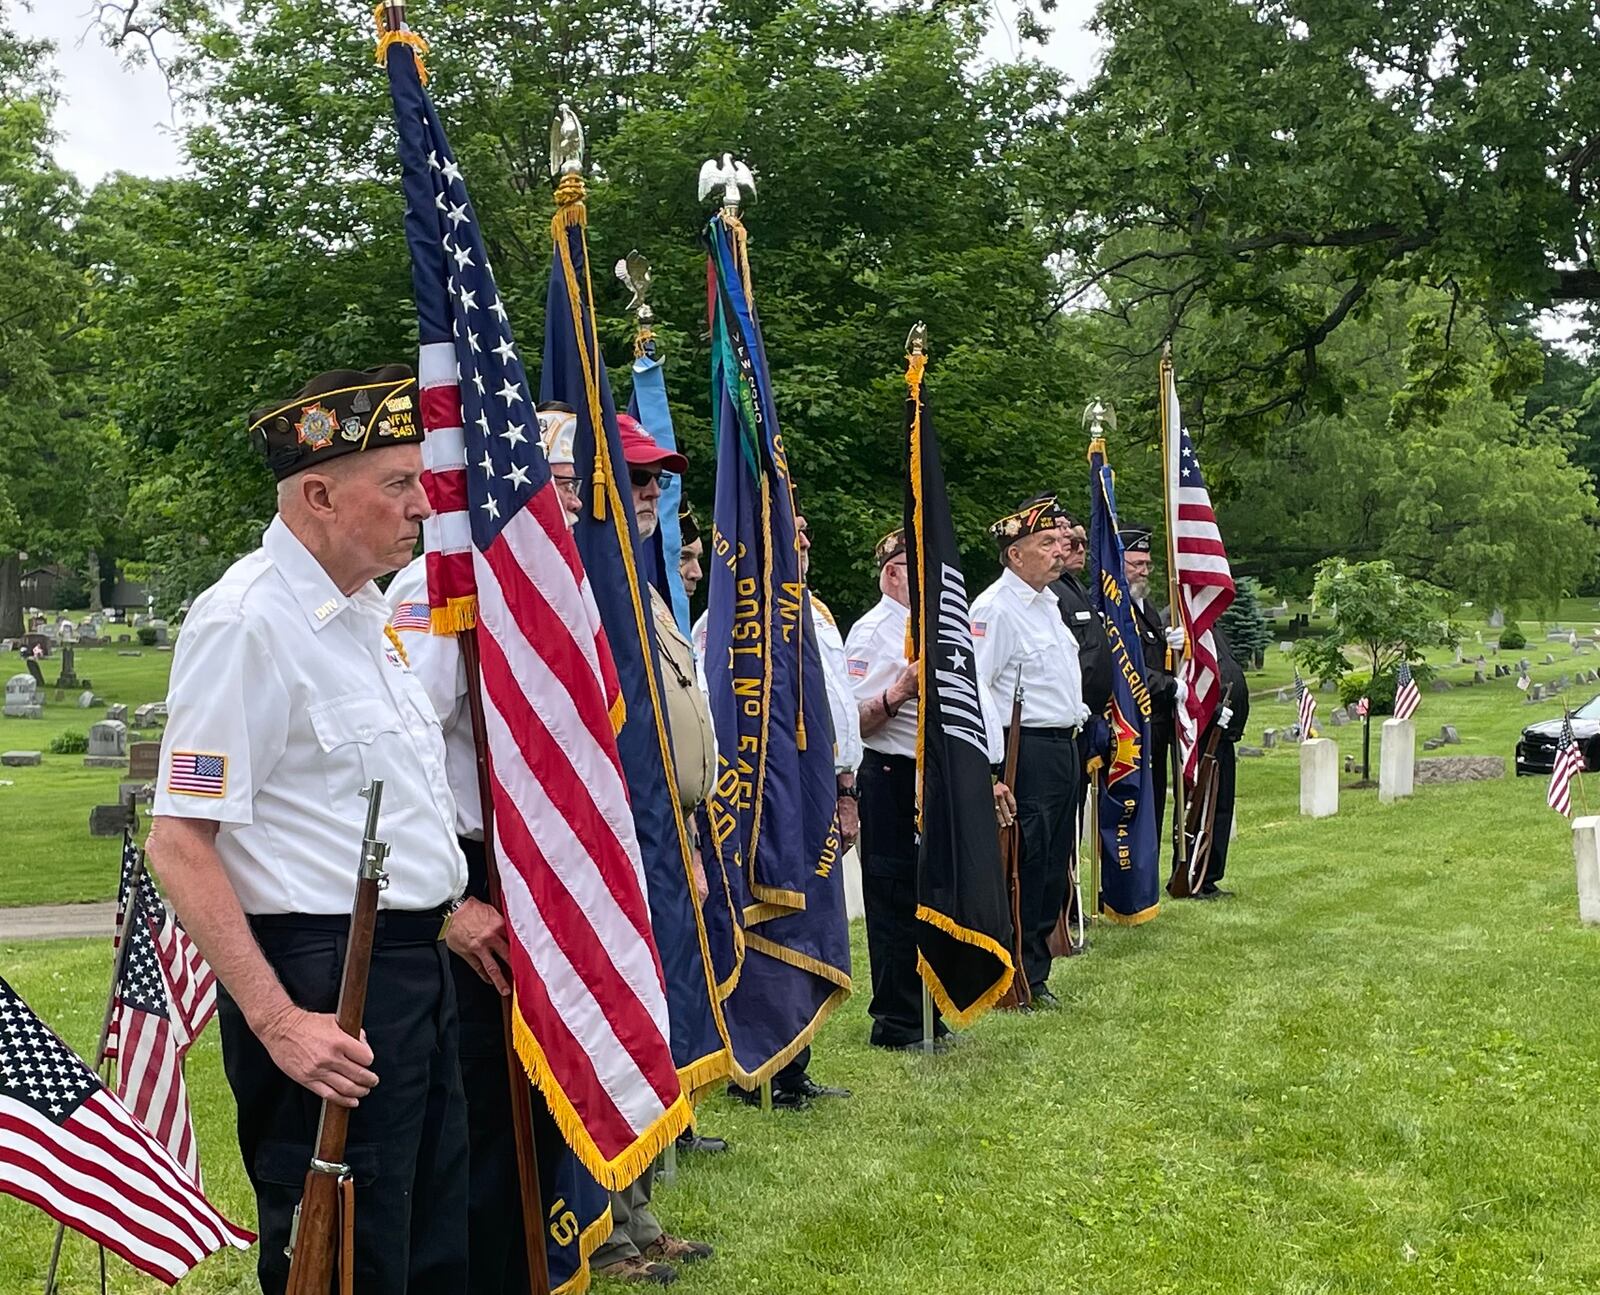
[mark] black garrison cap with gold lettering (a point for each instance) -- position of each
(1041, 513)
(340, 412)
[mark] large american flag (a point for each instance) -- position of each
(164, 996)
(1406, 695)
(1568, 765)
(1205, 582)
(69, 1147)
(590, 1008)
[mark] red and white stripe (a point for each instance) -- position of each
(589, 984)
(447, 535)
(1568, 765)
(1205, 587)
(102, 1174)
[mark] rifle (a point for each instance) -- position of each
(1018, 994)
(324, 1220)
(1188, 874)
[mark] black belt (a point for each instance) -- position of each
(892, 760)
(394, 925)
(1051, 734)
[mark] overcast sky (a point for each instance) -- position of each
(117, 118)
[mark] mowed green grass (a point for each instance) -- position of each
(1374, 1070)
(46, 853)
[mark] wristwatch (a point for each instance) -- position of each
(449, 914)
(849, 792)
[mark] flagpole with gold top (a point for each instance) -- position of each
(1097, 417)
(1169, 494)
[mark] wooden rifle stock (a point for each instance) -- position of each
(1018, 993)
(323, 1230)
(1189, 871)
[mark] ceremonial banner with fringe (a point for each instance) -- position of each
(963, 919)
(1130, 883)
(608, 541)
(772, 813)
(589, 1008)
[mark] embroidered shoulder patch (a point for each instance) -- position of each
(979, 629)
(856, 667)
(197, 773)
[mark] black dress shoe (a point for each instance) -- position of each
(689, 1140)
(1044, 999)
(808, 1088)
(783, 1099)
(1215, 892)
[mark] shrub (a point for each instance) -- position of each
(1512, 638)
(147, 635)
(71, 742)
(1380, 691)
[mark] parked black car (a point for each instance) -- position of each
(1536, 752)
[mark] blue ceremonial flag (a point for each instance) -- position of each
(1130, 879)
(608, 542)
(772, 814)
(648, 404)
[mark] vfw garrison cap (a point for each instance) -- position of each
(340, 412)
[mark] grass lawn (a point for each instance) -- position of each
(48, 855)
(1373, 1070)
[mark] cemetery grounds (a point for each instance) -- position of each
(1376, 1069)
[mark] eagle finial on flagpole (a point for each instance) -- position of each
(733, 178)
(566, 144)
(634, 271)
(1099, 415)
(917, 339)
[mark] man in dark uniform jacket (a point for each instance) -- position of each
(1162, 648)
(1082, 617)
(1229, 719)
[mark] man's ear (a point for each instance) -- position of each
(316, 490)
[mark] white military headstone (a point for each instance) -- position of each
(1586, 855)
(22, 698)
(1397, 759)
(1319, 777)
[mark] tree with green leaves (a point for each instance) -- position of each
(1244, 624)
(1374, 611)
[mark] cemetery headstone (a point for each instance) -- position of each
(1478, 676)
(86, 699)
(108, 745)
(160, 627)
(144, 760)
(1449, 735)
(22, 698)
(1497, 619)
(1286, 646)
(1549, 659)
(1248, 752)
(1319, 777)
(1328, 685)
(1432, 743)
(152, 712)
(1536, 692)
(1563, 683)
(20, 759)
(109, 820)
(119, 711)
(1339, 717)
(1269, 738)
(1440, 685)
(1282, 694)
(1396, 756)
(1586, 855)
(35, 672)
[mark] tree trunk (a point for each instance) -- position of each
(10, 596)
(95, 604)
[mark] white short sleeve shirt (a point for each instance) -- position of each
(1015, 625)
(287, 698)
(841, 700)
(874, 656)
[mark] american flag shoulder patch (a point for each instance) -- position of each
(979, 629)
(197, 773)
(412, 616)
(856, 667)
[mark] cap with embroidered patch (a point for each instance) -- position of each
(1041, 513)
(343, 411)
(889, 547)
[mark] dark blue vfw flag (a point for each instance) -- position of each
(1129, 866)
(608, 542)
(772, 814)
(963, 919)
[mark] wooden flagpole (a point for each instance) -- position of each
(1174, 608)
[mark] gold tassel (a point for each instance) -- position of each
(386, 38)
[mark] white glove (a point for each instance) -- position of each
(1175, 637)
(1180, 697)
(1224, 716)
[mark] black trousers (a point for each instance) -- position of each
(499, 1264)
(1222, 829)
(1160, 767)
(888, 786)
(408, 1138)
(1047, 796)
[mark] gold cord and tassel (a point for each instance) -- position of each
(386, 38)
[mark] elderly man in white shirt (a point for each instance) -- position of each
(1019, 635)
(289, 694)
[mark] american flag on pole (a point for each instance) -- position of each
(164, 997)
(1363, 707)
(1568, 765)
(69, 1147)
(590, 1008)
(1406, 695)
(1205, 581)
(1306, 702)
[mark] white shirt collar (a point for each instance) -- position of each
(1023, 590)
(320, 599)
